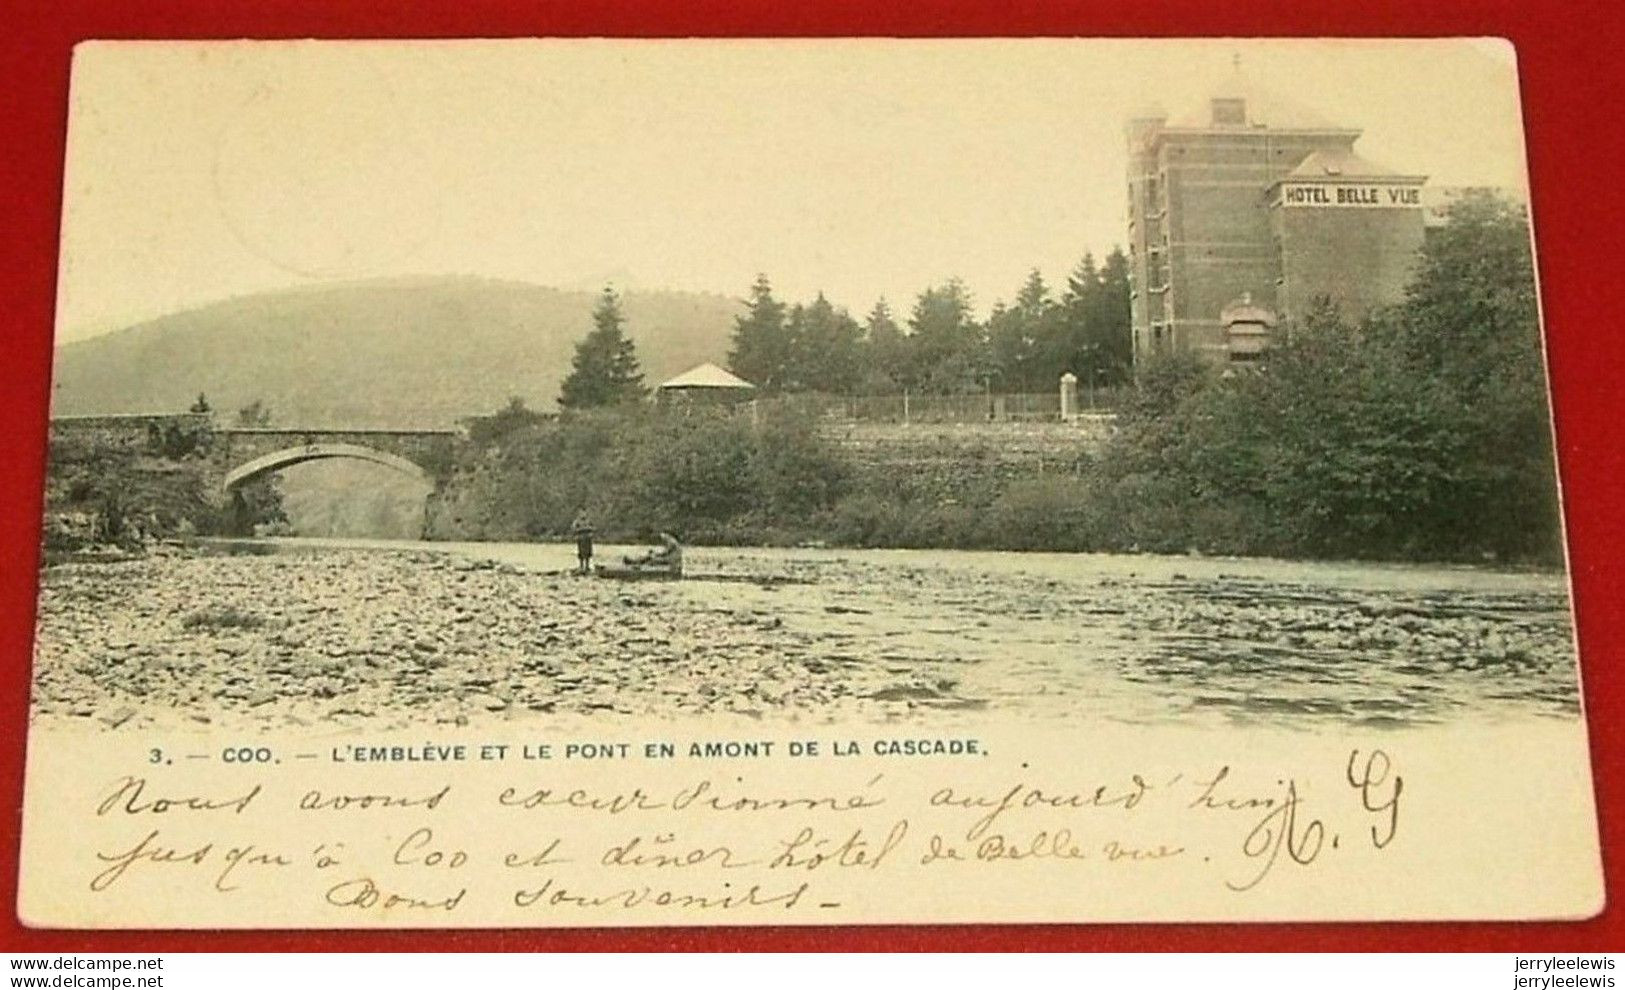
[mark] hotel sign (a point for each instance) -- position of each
(1356, 195)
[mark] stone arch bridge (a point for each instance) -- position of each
(231, 457)
(238, 455)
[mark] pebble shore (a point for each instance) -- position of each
(397, 639)
(407, 638)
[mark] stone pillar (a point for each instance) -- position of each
(1069, 397)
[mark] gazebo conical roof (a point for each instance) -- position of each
(706, 376)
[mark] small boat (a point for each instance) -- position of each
(634, 573)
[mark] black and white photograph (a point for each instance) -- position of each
(922, 391)
(845, 403)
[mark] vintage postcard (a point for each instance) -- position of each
(609, 483)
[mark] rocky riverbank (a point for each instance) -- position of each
(406, 637)
(398, 638)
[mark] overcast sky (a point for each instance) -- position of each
(860, 168)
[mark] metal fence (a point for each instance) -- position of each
(988, 407)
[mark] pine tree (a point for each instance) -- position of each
(949, 350)
(1084, 278)
(605, 371)
(1112, 328)
(1023, 339)
(1093, 339)
(1009, 348)
(887, 365)
(761, 341)
(1033, 299)
(1072, 349)
(825, 348)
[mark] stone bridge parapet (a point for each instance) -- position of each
(232, 455)
(240, 454)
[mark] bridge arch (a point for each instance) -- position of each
(289, 456)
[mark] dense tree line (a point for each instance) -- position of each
(940, 346)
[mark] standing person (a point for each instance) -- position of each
(581, 529)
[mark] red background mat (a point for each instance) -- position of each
(1572, 75)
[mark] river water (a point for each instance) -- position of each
(902, 634)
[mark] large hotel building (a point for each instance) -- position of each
(1245, 215)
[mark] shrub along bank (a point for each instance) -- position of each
(1204, 463)
(100, 493)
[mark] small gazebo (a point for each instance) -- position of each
(705, 383)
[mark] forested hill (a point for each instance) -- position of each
(386, 353)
